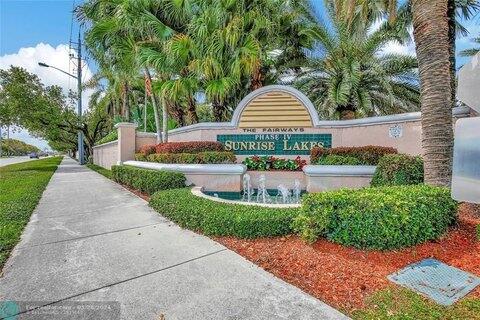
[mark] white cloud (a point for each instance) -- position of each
(28, 58)
(395, 46)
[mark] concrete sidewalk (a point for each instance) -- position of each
(91, 240)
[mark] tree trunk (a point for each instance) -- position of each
(192, 111)
(126, 107)
(257, 78)
(155, 110)
(165, 121)
(346, 112)
(431, 33)
(452, 34)
(217, 110)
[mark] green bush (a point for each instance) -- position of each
(148, 181)
(367, 155)
(398, 169)
(477, 229)
(222, 219)
(208, 157)
(377, 218)
(112, 136)
(270, 163)
(335, 160)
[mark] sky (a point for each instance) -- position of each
(33, 31)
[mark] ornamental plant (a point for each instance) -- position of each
(270, 163)
(367, 155)
(336, 160)
(398, 169)
(181, 147)
(208, 157)
(377, 218)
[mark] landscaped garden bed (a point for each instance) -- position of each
(346, 278)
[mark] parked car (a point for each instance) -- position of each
(34, 155)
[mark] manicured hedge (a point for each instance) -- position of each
(367, 155)
(182, 147)
(112, 136)
(202, 157)
(335, 160)
(222, 219)
(377, 218)
(398, 169)
(148, 181)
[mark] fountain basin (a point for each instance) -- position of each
(274, 178)
(235, 198)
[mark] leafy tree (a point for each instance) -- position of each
(45, 112)
(352, 77)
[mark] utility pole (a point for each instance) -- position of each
(81, 156)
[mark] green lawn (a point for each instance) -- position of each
(104, 172)
(402, 304)
(21, 187)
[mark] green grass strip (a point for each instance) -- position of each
(21, 187)
(402, 304)
(104, 172)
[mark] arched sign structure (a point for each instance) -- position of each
(275, 107)
(274, 119)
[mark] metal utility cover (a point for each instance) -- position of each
(436, 280)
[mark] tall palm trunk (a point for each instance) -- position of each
(192, 111)
(165, 121)
(452, 33)
(126, 106)
(431, 32)
(155, 110)
(257, 78)
(217, 110)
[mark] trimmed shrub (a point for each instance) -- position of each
(221, 219)
(398, 169)
(268, 163)
(377, 218)
(148, 181)
(335, 160)
(477, 230)
(112, 136)
(209, 157)
(147, 149)
(367, 155)
(188, 147)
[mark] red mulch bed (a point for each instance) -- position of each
(343, 277)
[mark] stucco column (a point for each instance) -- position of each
(126, 141)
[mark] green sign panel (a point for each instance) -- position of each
(274, 144)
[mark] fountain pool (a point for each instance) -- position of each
(285, 194)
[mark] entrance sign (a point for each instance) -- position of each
(275, 120)
(274, 144)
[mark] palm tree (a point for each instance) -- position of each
(352, 77)
(431, 32)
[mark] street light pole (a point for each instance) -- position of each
(81, 154)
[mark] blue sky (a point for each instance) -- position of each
(39, 30)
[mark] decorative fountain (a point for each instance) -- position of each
(261, 195)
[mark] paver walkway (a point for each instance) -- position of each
(89, 239)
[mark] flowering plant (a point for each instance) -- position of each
(268, 163)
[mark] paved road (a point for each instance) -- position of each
(12, 160)
(91, 241)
